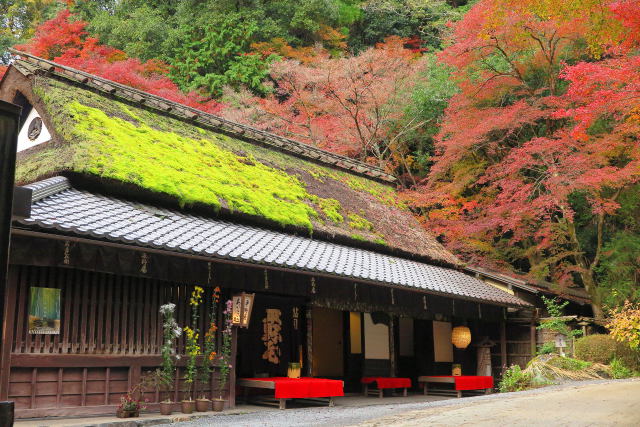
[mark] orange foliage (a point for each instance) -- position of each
(508, 158)
(280, 47)
(624, 324)
(345, 105)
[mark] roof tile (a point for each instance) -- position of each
(84, 213)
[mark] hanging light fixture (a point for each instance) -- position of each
(461, 336)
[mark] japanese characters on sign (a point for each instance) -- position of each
(295, 314)
(271, 337)
(241, 309)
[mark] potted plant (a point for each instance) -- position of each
(225, 357)
(129, 407)
(209, 352)
(165, 375)
(193, 350)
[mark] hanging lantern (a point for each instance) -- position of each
(461, 336)
(241, 309)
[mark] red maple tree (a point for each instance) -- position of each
(64, 40)
(346, 105)
(517, 147)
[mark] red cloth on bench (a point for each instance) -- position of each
(292, 388)
(388, 382)
(473, 382)
(470, 382)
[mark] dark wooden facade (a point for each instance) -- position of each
(110, 336)
(111, 328)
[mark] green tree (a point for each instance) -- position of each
(216, 56)
(18, 20)
(425, 19)
(429, 98)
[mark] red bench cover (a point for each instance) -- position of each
(388, 382)
(470, 382)
(292, 388)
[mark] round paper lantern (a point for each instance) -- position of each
(461, 336)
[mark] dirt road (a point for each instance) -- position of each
(607, 404)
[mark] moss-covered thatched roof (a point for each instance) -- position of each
(140, 151)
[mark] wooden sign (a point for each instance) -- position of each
(561, 341)
(241, 310)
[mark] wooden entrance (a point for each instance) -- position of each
(328, 346)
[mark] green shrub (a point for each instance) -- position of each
(547, 348)
(628, 356)
(571, 364)
(514, 379)
(601, 348)
(596, 348)
(619, 370)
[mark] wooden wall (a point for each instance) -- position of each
(111, 334)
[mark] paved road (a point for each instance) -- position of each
(595, 403)
(612, 404)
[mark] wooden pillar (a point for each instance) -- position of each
(392, 348)
(135, 374)
(232, 371)
(503, 345)
(9, 127)
(10, 302)
(309, 343)
(533, 338)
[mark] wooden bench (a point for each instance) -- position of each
(460, 383)
(382, 383)
(318, 390)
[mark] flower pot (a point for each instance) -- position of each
(121, 413)
(188, 406)
(166, 408)
(203, 405)
(218, 405)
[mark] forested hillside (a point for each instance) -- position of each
(512, 125)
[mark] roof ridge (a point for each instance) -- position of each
(30, 64)
(48, 187)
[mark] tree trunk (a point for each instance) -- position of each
(586, 271)
(592, 288)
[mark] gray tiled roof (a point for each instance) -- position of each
(92, 215)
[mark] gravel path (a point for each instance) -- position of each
(586, 403)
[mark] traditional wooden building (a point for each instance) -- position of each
(523, 338)
(135, 200)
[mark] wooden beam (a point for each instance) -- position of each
(39, 234)
(309, 343)
(533, 338)
(503, 345)
(232, 372)
(392, 348)
(10, 302)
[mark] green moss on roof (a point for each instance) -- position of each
(380, 241)
(95, 134)
(331, 208)
(359, 223)
(193, 171)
